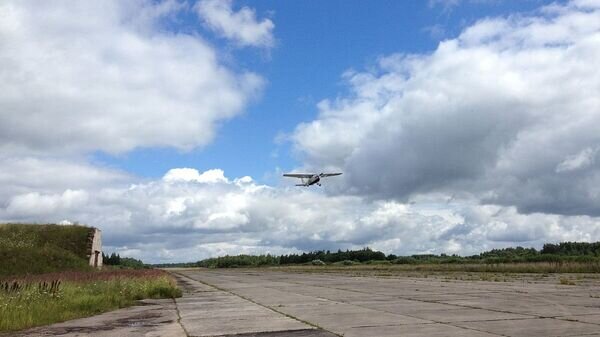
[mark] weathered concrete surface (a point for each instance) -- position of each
(264, 303)
(202, 311)
(369, 306)
(208, 311)
(154, 319)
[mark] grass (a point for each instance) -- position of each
(36, 249)
(525, 267)
(44, 259)
(567, 281)
(44, 299)
(72, 238)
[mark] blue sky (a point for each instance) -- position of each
(167, 124)
(316, 42)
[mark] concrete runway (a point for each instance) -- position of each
(253, 301)
(264, 303)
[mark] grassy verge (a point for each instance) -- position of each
(49, 298)
(526, 267)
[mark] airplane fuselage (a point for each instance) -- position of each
(313, 180)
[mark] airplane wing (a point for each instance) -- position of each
(299, 175)
(329, 174)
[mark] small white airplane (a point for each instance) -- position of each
(310, 178)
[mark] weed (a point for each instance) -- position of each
(567, 281)
(44, 299)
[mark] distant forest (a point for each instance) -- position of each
(116, 260)
(562, 252)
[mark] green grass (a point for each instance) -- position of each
(35, 249)
(567, 281)
(44, 259)
(72, 238)
(79, 295)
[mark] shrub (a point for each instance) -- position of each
(317, 263)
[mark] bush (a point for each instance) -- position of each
(405, 260)
(317, 263)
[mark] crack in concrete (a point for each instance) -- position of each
(264, 306)
(501, 292)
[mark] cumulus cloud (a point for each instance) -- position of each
(35, 204)
(109, 75)
(241, 26)
(496, 114)
(189, 174)
(185, 220)
(25, 174)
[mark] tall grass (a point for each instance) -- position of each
(77, 295)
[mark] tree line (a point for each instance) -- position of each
(122, 262)
(561, 252)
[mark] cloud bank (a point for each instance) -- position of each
(506, 113)
(177, 218)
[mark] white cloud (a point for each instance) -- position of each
(241, 26)
(490, 114)
(189, 174)
(109, 75)
(36, 204)
(161, 220)
(25, 174)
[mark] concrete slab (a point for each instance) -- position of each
(465, 315)
(542, 327)
(296, 333)
(369, 306)
(232, 326)
(405, 307)
(219, 313)
(419, 330)
(593, 319)
(340, 323)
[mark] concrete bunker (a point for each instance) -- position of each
(94, 248)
